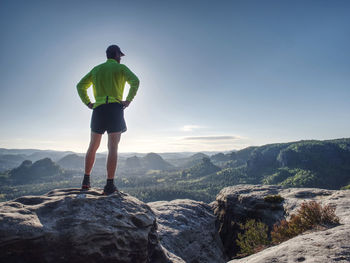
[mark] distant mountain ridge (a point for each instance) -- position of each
(34, 155)
(149, 161)
(202, 168)
(71, 161)
(188, 161)
(305, 163)
(8, 161)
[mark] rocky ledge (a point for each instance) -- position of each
(243, 202)
(69, 225)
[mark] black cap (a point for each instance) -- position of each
(112, 50)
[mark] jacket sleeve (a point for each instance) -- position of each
(133, 81)
(82, 87)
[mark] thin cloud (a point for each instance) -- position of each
(190, 127)
(211, 138)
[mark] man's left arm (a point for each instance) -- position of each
(133, 81)
(82, 87)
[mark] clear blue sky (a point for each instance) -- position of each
(214, 75)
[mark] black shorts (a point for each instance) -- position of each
(108, 117)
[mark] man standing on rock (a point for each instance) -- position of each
(108, 80)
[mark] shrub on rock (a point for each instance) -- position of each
(309, 216)
(254, 238)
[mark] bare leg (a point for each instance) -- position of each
(91, 152)
(113, 141)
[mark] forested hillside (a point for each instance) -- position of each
(312, 163)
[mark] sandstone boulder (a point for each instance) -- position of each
(68, 225)
(189, 229)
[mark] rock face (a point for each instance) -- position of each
(242, 202)
(189, 229)
(239, 203)
(68, 225)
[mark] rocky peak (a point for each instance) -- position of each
(133, 162)
(155, 161)
(29, 171)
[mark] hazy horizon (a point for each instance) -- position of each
(214, 76)
(129, 152)
(19, 149)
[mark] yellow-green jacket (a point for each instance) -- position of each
(108, 80)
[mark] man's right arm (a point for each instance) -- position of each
(82, 87)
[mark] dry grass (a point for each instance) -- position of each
(310, 215)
